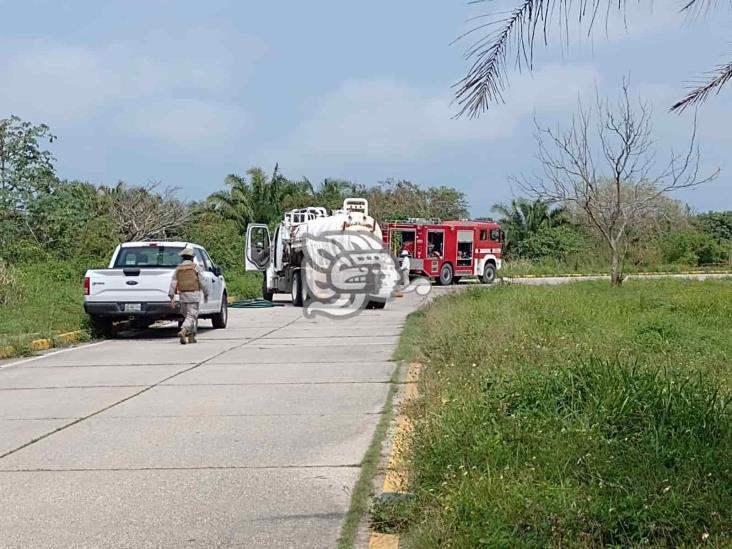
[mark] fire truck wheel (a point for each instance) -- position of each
(489, 274)
(445, 278)
(296, 289)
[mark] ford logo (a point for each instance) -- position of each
(131, 283)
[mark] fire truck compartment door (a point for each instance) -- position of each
(258, 251)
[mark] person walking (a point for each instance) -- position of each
(188, 282)
(404, 268)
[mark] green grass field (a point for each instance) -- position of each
(47, 299)
(579, 415)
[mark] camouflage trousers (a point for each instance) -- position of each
(190, 314)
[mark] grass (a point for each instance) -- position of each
(47, 299)
(580, 415)
(363, 490)
(553, 267)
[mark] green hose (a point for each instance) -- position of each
(253, 304)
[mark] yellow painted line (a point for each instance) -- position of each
(41, 344)
(396, 478)
(384, 541)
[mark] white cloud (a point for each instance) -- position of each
(382, 118)
(188, 123)
(168, 87)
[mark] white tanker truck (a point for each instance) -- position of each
(335, 260)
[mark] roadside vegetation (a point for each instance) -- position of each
(581, 415)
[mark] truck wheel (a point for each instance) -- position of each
(376, 305)
(267, 295)
(296, 289)
(445, 278)
(489, 274)
(219, 320)
(102, 327)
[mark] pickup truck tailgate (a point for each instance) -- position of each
(129, 285)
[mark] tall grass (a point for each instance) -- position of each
(574, 416)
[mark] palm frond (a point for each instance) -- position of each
(516, 31)
(722, 75)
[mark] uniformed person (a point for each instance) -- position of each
(404, 267)
(188, 282)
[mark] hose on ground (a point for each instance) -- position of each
(253, 304)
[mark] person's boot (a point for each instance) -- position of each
(183, 337)
(192, 338)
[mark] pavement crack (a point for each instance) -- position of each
(140, 392)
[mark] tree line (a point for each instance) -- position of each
(44, 217)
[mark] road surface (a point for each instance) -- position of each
(251, 438)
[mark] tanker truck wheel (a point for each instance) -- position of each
(296, 289)
(267, 294)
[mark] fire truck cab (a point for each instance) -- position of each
(447, 250)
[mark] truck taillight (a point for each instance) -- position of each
(86, 285)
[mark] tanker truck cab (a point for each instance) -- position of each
(280, 255)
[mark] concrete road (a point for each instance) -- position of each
(251, 438)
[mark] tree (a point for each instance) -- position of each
(524, 218)
(25, 167)
(608, 179)
(403, 199)
(513, 35)
(143, 212)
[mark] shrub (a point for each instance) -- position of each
(691, 248)
(8, 283)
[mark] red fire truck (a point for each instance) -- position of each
(447, 250)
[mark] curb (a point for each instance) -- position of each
(43, 344)
(397, 472)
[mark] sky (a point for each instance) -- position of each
(184, 93)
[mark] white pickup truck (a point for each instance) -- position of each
(135, 286)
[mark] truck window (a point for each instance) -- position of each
(435, 244)
(148, 257)
(484, 234)
(201, 258)
(495, 234)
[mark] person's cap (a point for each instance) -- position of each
(187, 252)
(405, 252)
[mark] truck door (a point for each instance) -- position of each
(258, 248)
(215, 283)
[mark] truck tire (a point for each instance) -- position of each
(267, 294)
(489, 274)
(102, 327)
(220, 319)
(296, 291)
(445, 278)
(376, 305)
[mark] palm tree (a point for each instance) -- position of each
(524, 218)
(235, 203)
(513, 35)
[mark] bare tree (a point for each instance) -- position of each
(603, 168)
(511, 35)
(143, 212)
